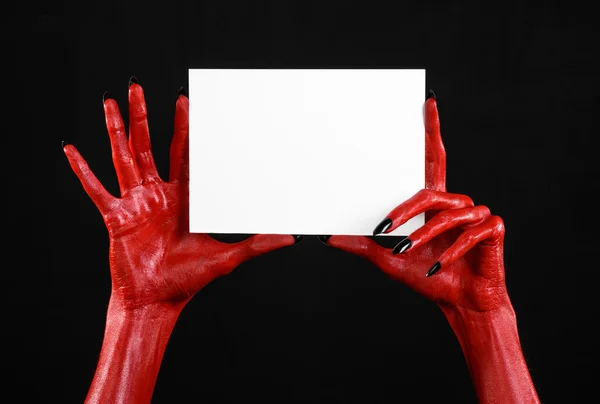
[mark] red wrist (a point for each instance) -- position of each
(492, 349)
(472, 326)
(132, 351)
(157, 311)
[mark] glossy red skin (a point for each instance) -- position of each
(469, 288)
(156, 265)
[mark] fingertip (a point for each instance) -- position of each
(430, 106)
(432, 121)
(263, 243)
(337, 241)
(135, 93)
(110, 104)
(351, 244)
(182, 100)
(68, 148)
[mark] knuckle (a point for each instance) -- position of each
(497, 225)
(460, 201)
(444, 217)
(467, 200)
(469, 237)
(424, 193)
(84, 169)
(483, 211)
(116, 130)
(124, 159)
(139, 114)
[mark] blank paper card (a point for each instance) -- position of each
(304, 151)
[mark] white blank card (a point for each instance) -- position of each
(295, 151)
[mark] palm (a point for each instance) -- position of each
(153, 257)
(144, 239)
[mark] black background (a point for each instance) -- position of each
(308, 324)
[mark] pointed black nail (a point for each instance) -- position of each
(383, 226)
(132, 80)
(106, 96)
(182, 92)
(402, 246)
(433, 270)
(324, 239)
(62, 144)
(297, 239)
(430, 94)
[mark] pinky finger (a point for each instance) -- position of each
(100, 196)
(492, 229)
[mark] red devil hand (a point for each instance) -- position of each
(456, 260)
(156, 264)
(461, 244)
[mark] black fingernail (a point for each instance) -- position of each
(430, 94)
(383, 226)
(324, 239)
(402, 246)
(297, 239)
(106, 96)
(182, 91)
(62, 144)
(433, 270)
(132, 80)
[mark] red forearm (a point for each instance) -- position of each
(132, 351)
(490, 342)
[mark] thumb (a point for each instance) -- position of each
(361, 246)
(367, 248)
(263, 243)
(240, 252)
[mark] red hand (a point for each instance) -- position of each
(156, 264)
(456, 260)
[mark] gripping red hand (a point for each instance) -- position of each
(156, 264)
(456, 260)
(461, 244)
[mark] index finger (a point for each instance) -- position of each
(435, 153)
(99, 195)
